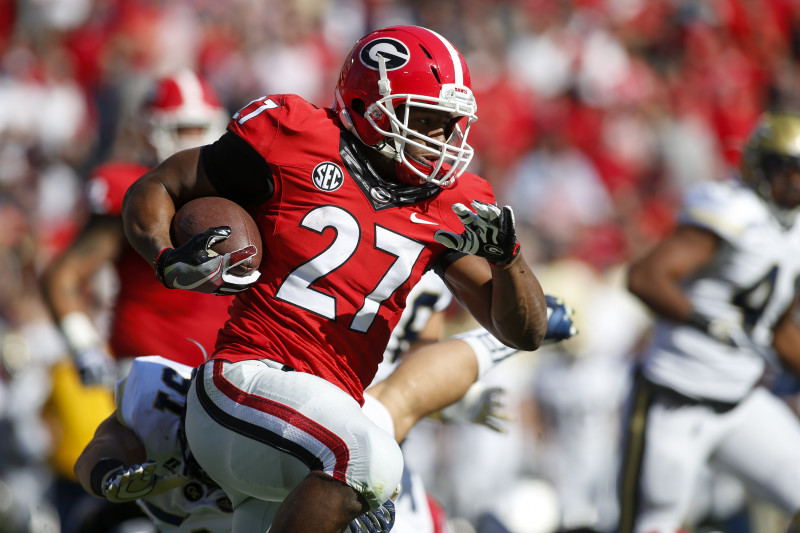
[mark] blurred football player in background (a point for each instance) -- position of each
(179, 111)
(359, 201)
(724, 287)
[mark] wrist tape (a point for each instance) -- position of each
(99, 471)
(79, 332)
(488, 350)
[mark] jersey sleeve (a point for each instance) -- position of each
(260, 121)
(231, 165)
(723, 208)
(151, 399)
(107, 186)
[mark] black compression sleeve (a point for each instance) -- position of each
(445, 259)
(237, 171)
(99, 471)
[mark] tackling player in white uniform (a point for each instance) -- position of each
(724, 287)
(143, 443)
(150, 403)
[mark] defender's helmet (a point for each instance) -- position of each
(182, 111)
(412, 67)
(773, 148)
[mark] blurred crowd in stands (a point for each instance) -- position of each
(593, 117)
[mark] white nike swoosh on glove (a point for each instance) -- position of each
(178, 285)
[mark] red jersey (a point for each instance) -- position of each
(342, 248)
(148, 318)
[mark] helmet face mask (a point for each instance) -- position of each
(392, 73)
(771, 163)
(182, 111)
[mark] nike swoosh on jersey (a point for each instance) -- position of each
(415, 218)
(208, 277)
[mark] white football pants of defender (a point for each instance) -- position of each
(758, 442)
(258, 431)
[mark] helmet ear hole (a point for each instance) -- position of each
(358, 106)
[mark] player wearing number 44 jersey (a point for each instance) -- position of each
(724, 286)
(354, 204)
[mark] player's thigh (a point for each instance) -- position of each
(763, 449)
(273, 427)
(242, 466)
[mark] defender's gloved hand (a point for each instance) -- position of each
(482, 405)
(380, 520)
(96, 367)
(732, 334)
(559, 320)
(125, 484)
(488, 232)
(194, 266)
(724, 331)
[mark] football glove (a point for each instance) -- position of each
(488, 232)
(378, 520)
(725, 331)
(481, 405)
(96, 367)
(194, 266)
(731, 333)
(559, 320)
(126, 484)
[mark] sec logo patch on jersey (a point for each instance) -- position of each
(327, 176)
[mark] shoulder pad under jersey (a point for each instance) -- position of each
(151, 398)
(726, 208)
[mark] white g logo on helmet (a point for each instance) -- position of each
(393, 51)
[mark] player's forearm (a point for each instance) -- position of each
(427, 380)
(147, 211)
(519, 310)
(113, 444)
(66, 282)
(63, 291)
(151, 202)
(786, 341)
(660, 292)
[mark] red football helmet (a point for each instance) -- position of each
(412, 67)
(182, 111)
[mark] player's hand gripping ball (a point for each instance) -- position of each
(219, 248)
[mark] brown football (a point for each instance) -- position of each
(212, 211)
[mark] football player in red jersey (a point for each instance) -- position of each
(181, 110)
(354, 203)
